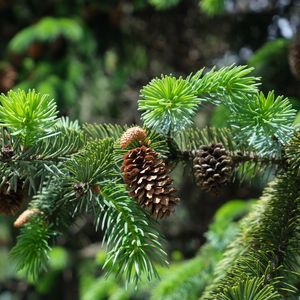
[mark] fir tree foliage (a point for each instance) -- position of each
(131, 236)
(86, 169)
(29, 115)
(68, 170)
(262, 261)
(265, 122)
(293, 151)
(32, 249)
(230, 83)
(268, 119)
(167, 100)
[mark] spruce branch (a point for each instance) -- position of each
(292, 151)
(102, 131)
(248, 162)
(72, 170)
(267, 248)
(32, 248)
(168, 104)
(86, 169)
(30, 115)
(252, 288)
(228, 84)
(265, 123)
(133, 242)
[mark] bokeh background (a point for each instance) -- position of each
(93, 57)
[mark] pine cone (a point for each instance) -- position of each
(11, 200)
(294, 58)
(132, 134)
(213, 166)
(146, 176)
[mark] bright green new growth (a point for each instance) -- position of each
(71, 170)
(29, 115)
(229, 84)
(265, 122)
(168, 104)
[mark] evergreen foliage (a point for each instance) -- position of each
(293, 151)
(68, 170)
(29, 115)
(131, 236)
(265, 123)
(32, 249)
(262, 261)
(168, 104)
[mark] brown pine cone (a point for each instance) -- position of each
(213, 166)
(148, 180)
(11, 200)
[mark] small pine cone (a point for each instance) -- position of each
(148, 180)
(11, 200)
(132, 134)
(213, 166)
(25, 217)
(294, 58)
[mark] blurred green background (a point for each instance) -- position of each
(93, 56)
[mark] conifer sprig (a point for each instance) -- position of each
(229, 84)
(293, 151)
(32, 248)
(264, 122)
(93, 164)
(133, 241)
(28, 115)
(265, 252)
(168, 104)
